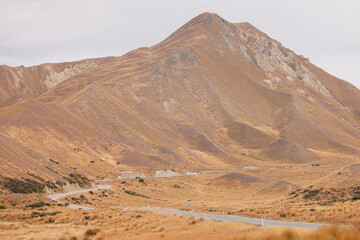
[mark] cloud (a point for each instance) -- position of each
(27, 23)
(9, 60)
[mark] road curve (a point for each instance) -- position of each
(54, 197)
(226, 218)
(232, 218)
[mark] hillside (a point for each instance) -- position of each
(245, 182)
(343, 178)
(213, 95)
(19, 83)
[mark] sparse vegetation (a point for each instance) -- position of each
(2, 206)
(51, 170)
(92, 232)
(22, 186)
(50, 220)
(49, 184)
(135, 194)
(37, 205)
(53, 161)
(78, 179)
(328, 196)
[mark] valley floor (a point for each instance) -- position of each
(122, 210)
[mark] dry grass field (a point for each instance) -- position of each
(238, 193)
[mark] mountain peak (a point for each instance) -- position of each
(205, 19)
(212, 90)
(207, 15)
(201, 26)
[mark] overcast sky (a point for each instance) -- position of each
(35, 32)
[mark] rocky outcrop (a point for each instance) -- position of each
(25, 82)
(166, 173)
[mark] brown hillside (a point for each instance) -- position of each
(255, 184)
(213, 95)
(343, 178)
(283, 149)
(18, 83)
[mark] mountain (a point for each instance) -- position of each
(19, 83)
(213, 95)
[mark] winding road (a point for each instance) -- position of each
(54, 197)
(226, 218)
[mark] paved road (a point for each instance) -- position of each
(232, 218)
(227, 218)
(54, 197)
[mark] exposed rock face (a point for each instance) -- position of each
(272, 57)
(212, 95)
(24, 82)
(166, 173)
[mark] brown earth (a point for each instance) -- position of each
(343, 178)
(213, 95)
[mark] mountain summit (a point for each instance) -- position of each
(213, 95)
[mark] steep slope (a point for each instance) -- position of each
(213, 95)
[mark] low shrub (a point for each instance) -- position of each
(22, 186)
(135, 194)
(37, 205)
(79, 179)
(92, 232)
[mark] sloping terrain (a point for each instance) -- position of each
(213, 95)
(238, 179)
(340, 187)
(343, 178)
(19, 83)
(251, 183)
(283, 149)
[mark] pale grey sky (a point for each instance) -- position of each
(35, 32)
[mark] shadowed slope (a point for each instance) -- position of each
(213, 94)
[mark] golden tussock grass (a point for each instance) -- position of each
(324, 233)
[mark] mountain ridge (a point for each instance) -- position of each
(213, 95)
